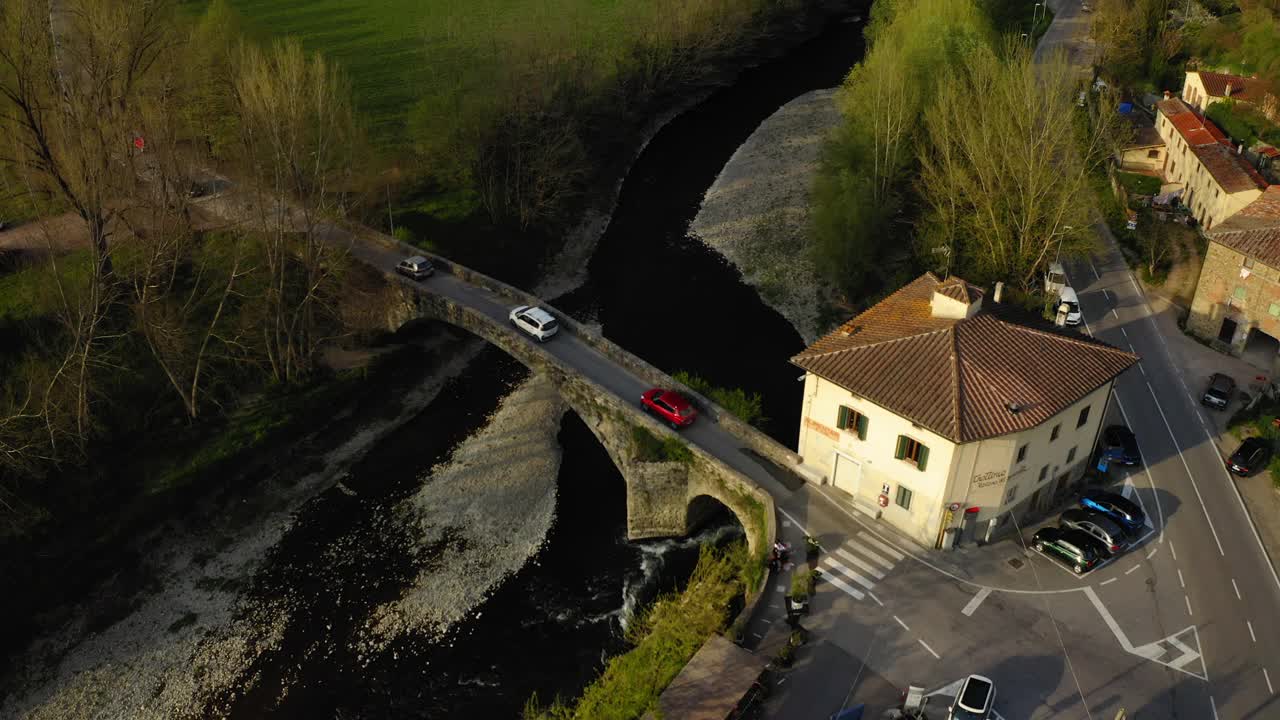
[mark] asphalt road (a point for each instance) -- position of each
(1231, 592)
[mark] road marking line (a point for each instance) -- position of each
(1135, 352)
(1194, 485)
(1095, 272)
(975, 602)
(1107, 581)
(1188, 599)
(1114, 315)
(758, 636)
(1236, 588)
(1213, 705)
(904, 625)
(1267, 675)
(1142, 370)
(1135, 567)
(837, 582)
(873, 597)
(786, 523)
(780, 588)
(935, 655)
(1106, 294)
(888, 564)
(892, 553)
(1124, 332)
(860, 563)
(1251, 635)
(1154, 550)
(1173, 550)
(1147, 470)
(766, 622)
(1181, 582)
(834, 566)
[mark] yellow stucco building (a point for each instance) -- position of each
(949, 418)
(1218, 182)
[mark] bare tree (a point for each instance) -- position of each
(299, 135)
(1009, 175)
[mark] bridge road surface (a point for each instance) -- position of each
(1231, 592)
(705, 433)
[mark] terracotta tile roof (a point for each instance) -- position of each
(1232, 172)
(1254, 230)
(958, 377)
(1195, 130)
(1242, 88)
(958, 289)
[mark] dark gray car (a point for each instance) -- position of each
(1218, 394)
(1105, 530)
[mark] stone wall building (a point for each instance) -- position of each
(1237, 300)
(946, 415)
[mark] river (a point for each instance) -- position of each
(548, 628)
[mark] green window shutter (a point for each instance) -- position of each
(901, 451)
(842, 418)
(862, 427)
(924, 458)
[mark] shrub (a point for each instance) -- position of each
(651, 448)
(1274, 470)
(1138, 184)
(802, 584)
(748, 408)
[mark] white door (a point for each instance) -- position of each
(847, 475)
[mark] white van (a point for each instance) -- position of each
(1068, 297)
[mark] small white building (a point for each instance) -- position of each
(944, 417)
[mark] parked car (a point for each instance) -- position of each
(534, 321)
(1116, 507)
(416, 267)
(1218, 394)
(1104, 529)
(1119, 445)
(1069, 298)
(975, 700)
(1252, 455)
(1073, 548)
(671, 406)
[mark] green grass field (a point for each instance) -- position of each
(399, 51)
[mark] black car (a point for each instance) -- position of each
(1252, 455)
(1073, 548)
(1119, 445)
(1102, 528)
(1218, 394)
(1116, 507)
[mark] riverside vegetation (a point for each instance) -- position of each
(954, 136)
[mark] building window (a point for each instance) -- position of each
(1022, 453)
(1056, 430)
(1153, 154)
(1011, 494)
(1071, 455)
(1238, 293)
(1248, 262)
(1084, 418)
(1274, 310)
(903, 498)
(1044, 473)
(912, 451)
(853, 421)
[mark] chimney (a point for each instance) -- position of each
(1167, 94)
(999, 290)
(1229, 88)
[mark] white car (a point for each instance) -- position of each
(535, 321)
(975, 700)
(1069, 298)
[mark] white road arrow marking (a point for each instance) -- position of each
(1186, 642)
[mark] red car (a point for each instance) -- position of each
(671, 406)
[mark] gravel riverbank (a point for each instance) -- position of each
(756, 214)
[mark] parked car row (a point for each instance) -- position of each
(1104, 526)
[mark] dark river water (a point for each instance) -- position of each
(548, 628)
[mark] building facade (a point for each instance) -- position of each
(948, 420)
(1202, 89)
(1217, 181)
(1237, 300)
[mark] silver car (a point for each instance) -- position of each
(1102, 528)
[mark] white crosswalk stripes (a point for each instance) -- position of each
(859, 562)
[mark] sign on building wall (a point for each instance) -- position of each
(988, 479)
(821, 429)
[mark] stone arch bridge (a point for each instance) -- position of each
(732, 462)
